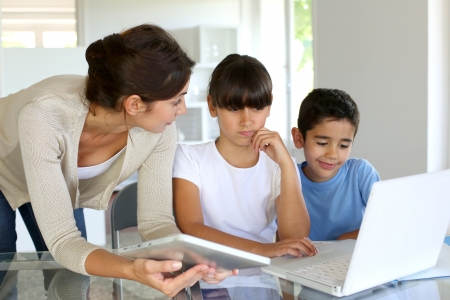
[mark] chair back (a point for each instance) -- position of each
(123, 212)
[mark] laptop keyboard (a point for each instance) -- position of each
(328, 272)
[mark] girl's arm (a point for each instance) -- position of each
(367, 176)
(189, 218)
(292, 215)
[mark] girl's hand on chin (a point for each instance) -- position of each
(271, 143)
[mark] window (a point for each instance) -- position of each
(29, 24)
(303, 77)
(18, 39)
(59, 39)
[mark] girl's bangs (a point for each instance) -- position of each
(244, 93)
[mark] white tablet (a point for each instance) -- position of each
(191, 251)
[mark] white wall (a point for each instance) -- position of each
(438, 80)
(262, 35)
(103, 17)
(23, 67)
(250, 27)
(1, 56)
(273, 55)
(378, 51)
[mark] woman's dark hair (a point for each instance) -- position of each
(144, 60)
(321, 104)
(240, 81)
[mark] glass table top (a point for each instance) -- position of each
(37, 276)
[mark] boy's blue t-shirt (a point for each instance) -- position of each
(337, 206)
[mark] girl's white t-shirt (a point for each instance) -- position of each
(238, 201)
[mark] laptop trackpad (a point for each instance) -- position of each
(318, 258)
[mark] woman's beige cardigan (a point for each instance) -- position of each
(39, 137)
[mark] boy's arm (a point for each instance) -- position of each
(352, 235)
(367, 176)
(189, 218)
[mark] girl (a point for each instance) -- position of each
(242, 187)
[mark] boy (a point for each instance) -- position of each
(335, 188)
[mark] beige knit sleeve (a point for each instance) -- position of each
(155, 208)
(43, 141)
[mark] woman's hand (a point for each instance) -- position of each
(271, 143)
(294, 247)
(157, 274)
(217, 277)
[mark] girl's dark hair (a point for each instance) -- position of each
(321, 104)
(144, 60)
(240, 81)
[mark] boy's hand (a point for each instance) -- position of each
(294, 247)
(271, 143)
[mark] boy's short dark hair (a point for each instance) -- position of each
(321, 104)
(240, 81)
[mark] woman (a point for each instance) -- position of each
(67, 141)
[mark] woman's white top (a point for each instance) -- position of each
(92, 171)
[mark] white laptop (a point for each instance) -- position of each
(417, 289)
(402, 232)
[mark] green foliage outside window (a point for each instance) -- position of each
(303, 30)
